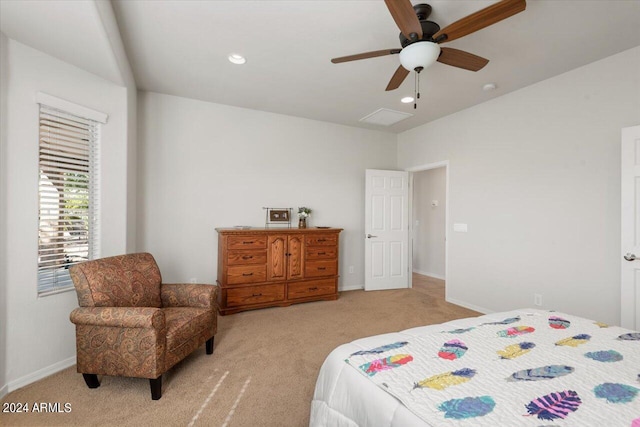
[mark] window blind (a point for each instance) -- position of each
(68, 196)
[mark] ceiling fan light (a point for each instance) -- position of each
(407, 99)
(419, 54)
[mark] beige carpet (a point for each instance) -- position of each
(262, 371)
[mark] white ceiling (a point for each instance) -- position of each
(181, 48)
(68, 30)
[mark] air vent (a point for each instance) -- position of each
(385, 117)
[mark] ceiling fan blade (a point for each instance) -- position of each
(365, 55)
(397, 79)
(461, 59)
(480, 19)
(406, 18)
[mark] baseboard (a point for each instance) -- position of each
(469, 306)
(40, 374)
(426, 273)
(352, 288)
(3, 391)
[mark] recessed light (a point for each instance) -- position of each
(489, 87)
(237, 59)
(407, 99)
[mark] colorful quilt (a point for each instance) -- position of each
(535, 368)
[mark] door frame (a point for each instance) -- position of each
(421, 168)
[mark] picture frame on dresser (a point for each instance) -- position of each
(279, 215)
(267, 267)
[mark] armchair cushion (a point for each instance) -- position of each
(187, 329)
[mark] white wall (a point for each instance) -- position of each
(536, 176)
(429, 230)
(109, 25)
(3, 212)
(40, 339)
(204, 165)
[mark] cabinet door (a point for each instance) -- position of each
(276, 257)
(295, 257)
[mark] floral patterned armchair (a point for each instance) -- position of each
(131, 324)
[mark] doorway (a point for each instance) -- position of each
(429, 219)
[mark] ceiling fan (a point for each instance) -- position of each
(420, 39)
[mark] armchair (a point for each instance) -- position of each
(131, 324)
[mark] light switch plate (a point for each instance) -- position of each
(461, 228)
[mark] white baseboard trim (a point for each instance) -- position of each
(4, 391)
(426, 273)
(40, 374)
(352, 288)
(469, 306)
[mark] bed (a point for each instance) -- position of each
(519, 368)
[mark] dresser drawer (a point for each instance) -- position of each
(319, 252)
(321, 239)
(311, 288)
(246, 274)
(246, 257)
(247, 242)
(255, 295)
(321, 268)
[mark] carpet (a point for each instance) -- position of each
(262, 372)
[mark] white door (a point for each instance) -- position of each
(630, 290)
(386, 230)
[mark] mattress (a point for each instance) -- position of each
(519, 368)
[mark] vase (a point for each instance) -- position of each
(302, 223)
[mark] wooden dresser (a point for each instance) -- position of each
(261, 267)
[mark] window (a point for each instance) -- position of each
(68, 196)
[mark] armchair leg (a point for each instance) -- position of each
(91, 380)
(156, 388)
(209, 345)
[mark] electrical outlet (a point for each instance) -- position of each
(537, 299)
(193, 280)
(351, 269)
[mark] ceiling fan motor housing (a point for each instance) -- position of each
(429, 28)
